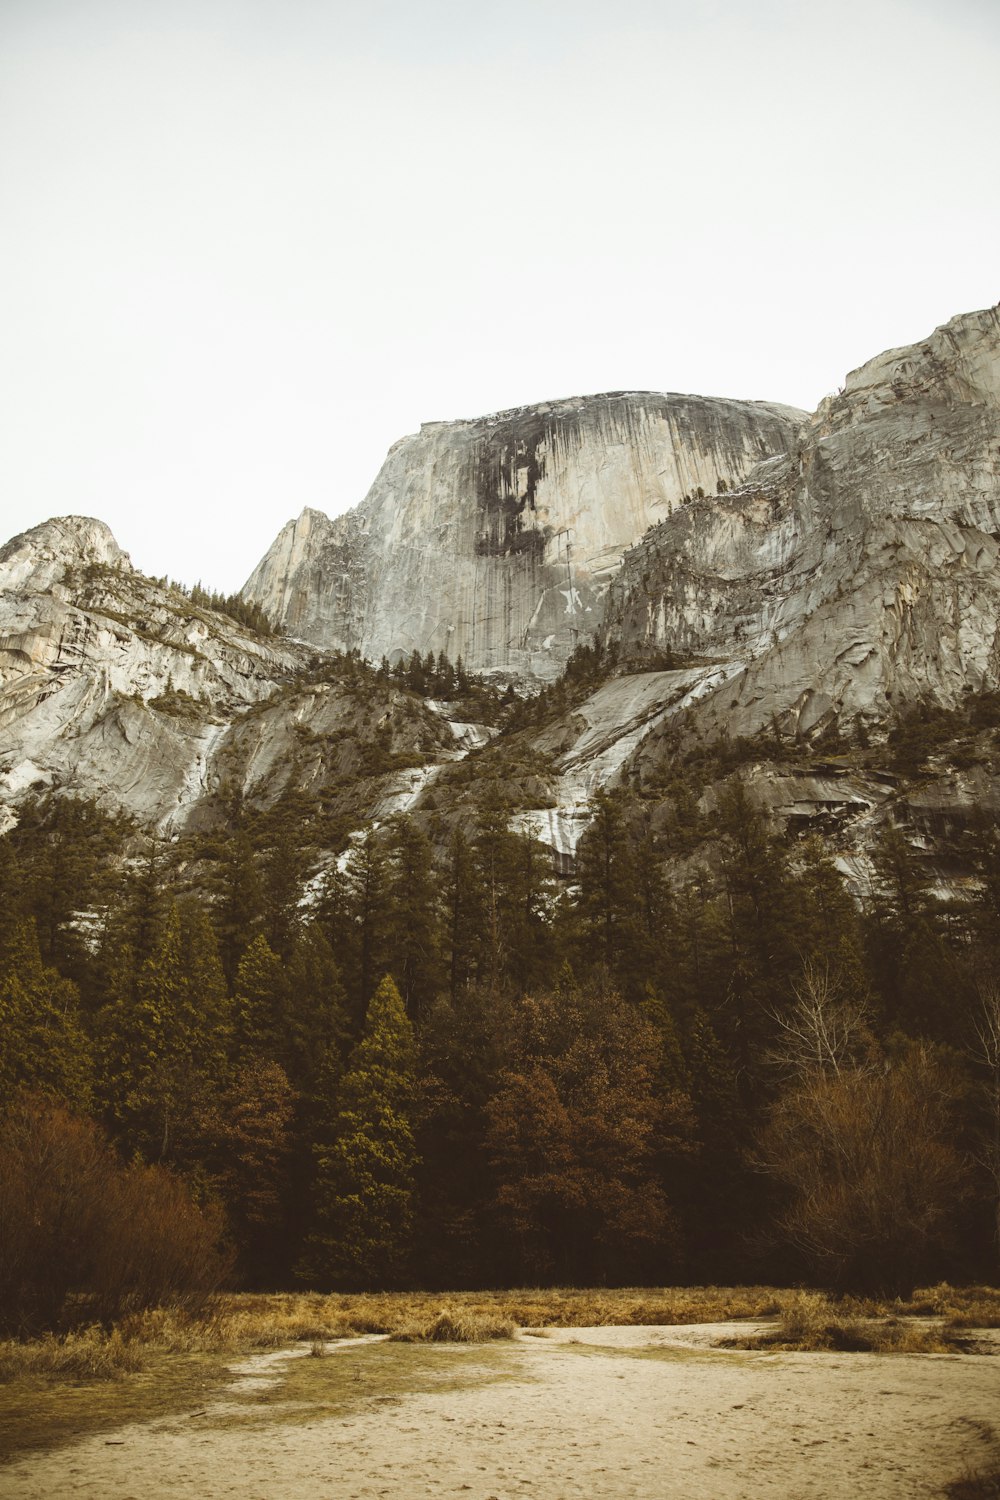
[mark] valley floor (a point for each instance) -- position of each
(602, 1413)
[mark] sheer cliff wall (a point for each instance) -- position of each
(495, 539)
(856, 575)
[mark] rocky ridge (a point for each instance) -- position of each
(848, 574)
(118, 687)
(858, 574)
(493, 540)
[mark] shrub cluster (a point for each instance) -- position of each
(85, 1239)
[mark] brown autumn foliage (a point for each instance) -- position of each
(574, 1130)
(867, 1158)
(84, 1238)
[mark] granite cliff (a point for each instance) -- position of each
(749, 569)
(855, 575)
(494, 540)
(118, 687)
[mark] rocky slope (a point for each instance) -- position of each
(857, 575)
(848, 569)
(493, 540)
(116, 686)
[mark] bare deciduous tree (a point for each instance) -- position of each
(825, 1031)
(865, 1155)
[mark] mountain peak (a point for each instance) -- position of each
(43, 554)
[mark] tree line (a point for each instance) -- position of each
(427, 1062)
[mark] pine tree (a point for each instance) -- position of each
(762, 921)
(260, 998)
(365, 1173)
(463, 905)
(315, 1022)
(164, 1048)
(43, 1046)
(722, 1199)
(284, 871)
(513, 881)
(367, 894)
(13, 905)
(444, 676)
(460, 1050)
(412, 950)
(922, 985)
(248, 1165)
(622, 904)
(241, 902)
(829, 935)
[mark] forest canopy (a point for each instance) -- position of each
(445, 1068)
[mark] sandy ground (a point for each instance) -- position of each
(600, 1413)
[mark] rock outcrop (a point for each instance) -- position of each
(832, 570)
(118, 687)
(494, 540)
(855, 576)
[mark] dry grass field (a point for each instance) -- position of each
(231, 1377)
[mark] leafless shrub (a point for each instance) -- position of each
(869, 1168)
(83, 1239)
(987, 1054)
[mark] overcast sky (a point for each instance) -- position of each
(246, 246)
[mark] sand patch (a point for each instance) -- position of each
(597, 1413)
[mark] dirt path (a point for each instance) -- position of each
(604, 1414)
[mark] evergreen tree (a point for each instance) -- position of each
(622, 903)
(923, 988)
(260, 1002)
(43, 1045)
(315, 1027)
(722, 1198)
(359, 901)
(460, 1047)
(365, 1173)
(241, 906)
(444, 676)
(164, 1050)
(513, 885)
(13, 905)
(248, 1161)
(464, 903)
(830, 937)
(762, 921)
(412, 940)
(284, 871)
(68, 852)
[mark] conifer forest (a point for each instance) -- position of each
(431, 1061)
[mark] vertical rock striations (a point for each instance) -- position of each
(494, 540)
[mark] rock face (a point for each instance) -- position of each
(856, 575)
(116, 687)
(846, 566)
(494, 540)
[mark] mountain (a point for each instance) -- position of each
(858, 573)
(740, 672)
(740, 573)
(494, 540)
(122, 688)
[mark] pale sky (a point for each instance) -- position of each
(246, 246)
